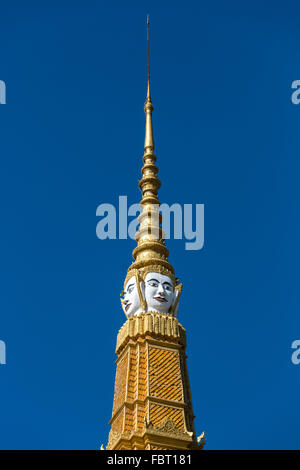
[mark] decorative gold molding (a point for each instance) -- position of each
(113, 437)
(178, 288)
(155, 324)
(168, 427)
(201, 440)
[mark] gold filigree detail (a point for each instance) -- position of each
(178, 289)
(151, 268)
(168, 427)
(157, 324)
(113, 437)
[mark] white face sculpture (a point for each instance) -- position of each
(131, 301)
(159, 292)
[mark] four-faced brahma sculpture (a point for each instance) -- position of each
(153, 292)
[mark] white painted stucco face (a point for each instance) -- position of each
(131, 301)
(159, 292)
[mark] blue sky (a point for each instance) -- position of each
(226, 136)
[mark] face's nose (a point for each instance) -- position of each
(161, 290)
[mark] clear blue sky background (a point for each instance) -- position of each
(227, 135)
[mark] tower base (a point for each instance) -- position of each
(152, 407)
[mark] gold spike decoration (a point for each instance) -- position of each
(151, 253)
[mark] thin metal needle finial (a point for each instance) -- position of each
(148, 48)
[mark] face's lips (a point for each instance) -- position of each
(127, 307)
(160, 299)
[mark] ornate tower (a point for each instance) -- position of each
(152, 407)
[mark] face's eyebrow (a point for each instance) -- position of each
(164, 283)
(168, 284)
(130, 285)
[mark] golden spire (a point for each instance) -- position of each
(151, 252)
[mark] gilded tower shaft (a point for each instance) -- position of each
(152, 408)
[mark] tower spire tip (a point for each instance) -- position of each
(149, 143)
(148, 50)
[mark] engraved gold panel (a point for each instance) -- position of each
(164, 374)
(158, 413)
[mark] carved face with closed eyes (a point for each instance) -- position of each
(159, 292)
